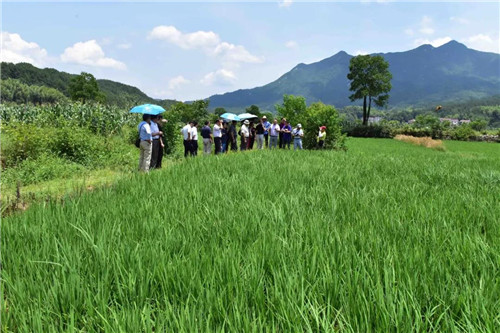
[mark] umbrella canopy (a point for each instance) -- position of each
(230, 116)
(244, 116)
(147, 109)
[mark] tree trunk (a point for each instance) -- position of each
(369, 108)
(365, 118)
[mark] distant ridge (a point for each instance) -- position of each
(116, 93)
(451, 72)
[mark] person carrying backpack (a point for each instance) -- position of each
(146, 143)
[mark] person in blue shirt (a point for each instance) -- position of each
(156, 143)
(146, 144)
(267, 127)
(206, 134)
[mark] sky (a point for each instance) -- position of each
(192, 50)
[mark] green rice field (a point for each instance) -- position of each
(386, 237)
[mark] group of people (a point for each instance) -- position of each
(151, 142)
(223, 136)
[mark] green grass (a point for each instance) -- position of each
(385, 237)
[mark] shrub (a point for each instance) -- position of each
(371, 131)
(317, 114)
(463, 133)
(77, 145)
(43, 168)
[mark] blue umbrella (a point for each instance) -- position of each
(230, 116)
(147, 109)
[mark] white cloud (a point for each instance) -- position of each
(198, 39)
(435, 42)
(177, 81)
(460, 20)
(425, 26)
(208, 41)
(15, 50)
(285, 3)
(124, 46)
(91, 54)
(233, 54)
(483, 42)
(222, 77)
(291, 44)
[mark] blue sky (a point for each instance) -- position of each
(192, 50)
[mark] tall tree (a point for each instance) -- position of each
(84, 88)
(219, 111)
(292, 109)
(370, 80)
(253, 109)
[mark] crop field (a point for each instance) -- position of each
(386, 237)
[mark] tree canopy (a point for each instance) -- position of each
(370, 80)
(84, 88)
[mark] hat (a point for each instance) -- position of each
(246, 122)
(322, 127)
(264, 117)
(299, 125)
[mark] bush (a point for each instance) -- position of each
(22, 141)
(317, 114)
(371, 131)
(77, 145)
(463, 133)
(43, 168)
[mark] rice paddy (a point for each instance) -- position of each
(385, 237)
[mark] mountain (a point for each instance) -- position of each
(451, 72)
(116, 93)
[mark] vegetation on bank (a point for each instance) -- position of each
(317, 241)
(115, 93)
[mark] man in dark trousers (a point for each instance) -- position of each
(194, 138)
(233, 136)
(158, 145)
(280, 135)
(186, 134)
(217, 133)
(156, 134)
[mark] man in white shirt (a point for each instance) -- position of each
(194, 139)
(274, 132)
(244, 134)
(217, 133)
(186, 133)
(298, 134)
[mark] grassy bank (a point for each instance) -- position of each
(386, 236)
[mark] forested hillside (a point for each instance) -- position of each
(116, 93)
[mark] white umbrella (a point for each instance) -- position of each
(244, 116)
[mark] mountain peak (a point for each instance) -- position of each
(453, 44)
(341, 53)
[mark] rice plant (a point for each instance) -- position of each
(385, 237)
